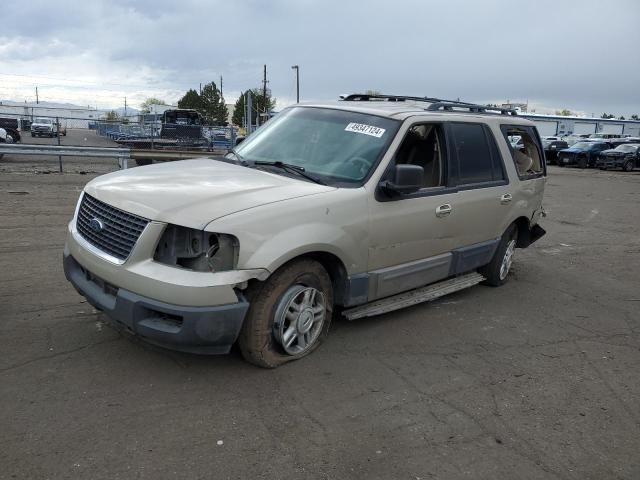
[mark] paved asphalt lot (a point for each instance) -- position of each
(537, 379)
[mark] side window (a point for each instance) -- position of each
(478, 158)
(423, 145)
(526, 153)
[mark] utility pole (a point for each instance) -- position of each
(200, 88)
(221, 86)
(264, 92)
(37, 99)
(125, 106)
(297, 69)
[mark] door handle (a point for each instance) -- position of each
(443, 210)
(506, 198)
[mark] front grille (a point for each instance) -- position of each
(120, 230)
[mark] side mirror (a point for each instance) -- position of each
(405, 179)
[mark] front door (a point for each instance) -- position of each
(409, 241)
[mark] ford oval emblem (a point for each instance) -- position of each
(96, 225)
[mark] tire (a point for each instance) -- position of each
(582, 163)
(493, 271)
(265, 328)
(628, 166)
(32, 134)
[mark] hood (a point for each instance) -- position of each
(192, 193)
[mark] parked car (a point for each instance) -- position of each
(621, 141)
(350, 205)
(625, 156)
(583, 154)
(601, 136)
(11, 127)
(48, 127)
(575, 138)
(552, 146)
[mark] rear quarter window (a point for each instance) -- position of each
(527, 156)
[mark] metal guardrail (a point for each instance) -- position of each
(122, 154)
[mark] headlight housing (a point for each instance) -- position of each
(197, 250)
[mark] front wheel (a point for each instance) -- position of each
(289, 316)
(497, 270)
(582, 163)
(628, 166)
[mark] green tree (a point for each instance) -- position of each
(214, 109)
(191, 100)
(565, 112)
(635, 117)
(621, 117)
(112, 116)
(259, 102)
(607, 115)
(149, 102)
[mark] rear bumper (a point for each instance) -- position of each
(204, 330)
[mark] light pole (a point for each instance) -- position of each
(297, 69)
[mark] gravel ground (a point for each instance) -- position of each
(537, 379)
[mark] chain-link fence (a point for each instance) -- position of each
(180, 130)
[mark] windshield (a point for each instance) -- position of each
(583, 146)
(47, 121)
(626, 148)
(337, 146)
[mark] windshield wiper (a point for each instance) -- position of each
(297, 169)
(239, 157)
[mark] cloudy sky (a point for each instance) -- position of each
(583, 55)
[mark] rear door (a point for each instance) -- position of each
(483, 196)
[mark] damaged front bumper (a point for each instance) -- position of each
(207, 330)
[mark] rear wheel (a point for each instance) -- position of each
(289, 316)
(628, 166)
(497, 270)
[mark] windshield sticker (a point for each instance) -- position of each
(365, 129)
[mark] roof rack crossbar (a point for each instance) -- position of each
(450, 106)
(437, 104)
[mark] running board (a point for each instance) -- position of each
(413, 297)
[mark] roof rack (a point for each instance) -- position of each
(436, 104)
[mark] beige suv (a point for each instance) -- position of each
(361, 206)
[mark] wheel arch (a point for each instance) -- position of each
(335, 267)
(527, 233)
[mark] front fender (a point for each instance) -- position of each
(270, 235)
(311, 238)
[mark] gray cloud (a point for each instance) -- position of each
(576, 54)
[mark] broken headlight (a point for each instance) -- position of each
(197, 250)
